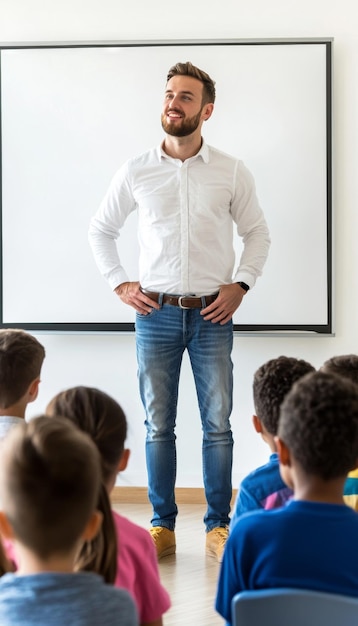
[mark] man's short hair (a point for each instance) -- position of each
(272, 381)
(21, 358)
(319, 424)
(344, 365)
(50, 479)
(188, 69)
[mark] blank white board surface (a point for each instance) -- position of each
(72, 114)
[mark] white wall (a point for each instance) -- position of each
(108, 361)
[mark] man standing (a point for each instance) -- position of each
(187, 196)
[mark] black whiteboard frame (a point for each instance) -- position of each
(128, 327)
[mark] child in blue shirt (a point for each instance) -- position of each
(346, 365)
(310, 543)
(264, 488)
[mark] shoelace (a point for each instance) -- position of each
(222, 534)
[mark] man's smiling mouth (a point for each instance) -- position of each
(174, 114)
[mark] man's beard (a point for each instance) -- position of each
(185, 128)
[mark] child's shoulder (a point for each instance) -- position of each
(272, 465)
(7, 422)
(54, 597)
(126, 528)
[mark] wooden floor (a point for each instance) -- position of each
(189, 576)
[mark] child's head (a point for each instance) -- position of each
(49, 484)
(21, 358)
(272, 381)
(344, 365)
(101, 417)
(319, 425)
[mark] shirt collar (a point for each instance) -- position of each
(203, 152)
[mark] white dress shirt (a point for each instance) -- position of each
(186, 212)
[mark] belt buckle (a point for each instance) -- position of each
(180, 298)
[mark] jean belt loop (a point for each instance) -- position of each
(160, 299)
(203, 302)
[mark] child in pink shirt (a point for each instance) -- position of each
(103, 419)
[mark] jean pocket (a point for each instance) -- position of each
(143, 316)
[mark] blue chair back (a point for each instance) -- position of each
(293, 607)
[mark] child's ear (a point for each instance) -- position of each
(33, 390)
(6, 530)
(257, 424)
(123, 462)
(283, 452)
(93, 526)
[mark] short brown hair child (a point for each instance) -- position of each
(21, 359)
(47, 497)
(50, 480)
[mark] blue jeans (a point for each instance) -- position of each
(161, 338)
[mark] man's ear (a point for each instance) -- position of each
(124, 460)
(6, 530)
(283, 452)
(207, 111)
(257, 424)
(93, 526)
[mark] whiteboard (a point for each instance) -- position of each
(72, 114)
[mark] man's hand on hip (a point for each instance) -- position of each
(131, 294)
(225, 305)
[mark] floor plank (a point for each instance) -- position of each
(190, 576)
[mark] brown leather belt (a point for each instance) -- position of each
(184, 302)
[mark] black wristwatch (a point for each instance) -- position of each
(244, 286)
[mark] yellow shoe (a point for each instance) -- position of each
(216, 540)
(164, 540)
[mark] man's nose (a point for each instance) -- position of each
(173, 102)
